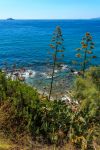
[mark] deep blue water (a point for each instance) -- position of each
(26, 42)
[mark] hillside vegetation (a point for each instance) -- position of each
(26, 117)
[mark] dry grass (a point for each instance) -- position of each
(22, 141)
(26, 144)
(8, 145)
(5, 144)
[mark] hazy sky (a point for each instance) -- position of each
(49, 9)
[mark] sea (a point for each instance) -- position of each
(26, 44)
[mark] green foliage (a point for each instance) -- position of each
(3, 87)
(85, 53)
(94, 75)
(56, 53)
(49, 119)
(86, 122)
(54, 121)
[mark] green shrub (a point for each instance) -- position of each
(54, 121)
(86, 122)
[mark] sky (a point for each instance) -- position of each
(49, 9)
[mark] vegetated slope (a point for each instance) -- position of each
(25, 117)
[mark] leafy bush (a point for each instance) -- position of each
(86, 122)
(53, 121)
(49, 119)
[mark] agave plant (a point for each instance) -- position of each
(56, 53)
(85, 53)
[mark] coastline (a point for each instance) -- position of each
(60, 88)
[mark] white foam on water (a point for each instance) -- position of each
(28, 74)
(25, 74)
(44, 74)
(47, 75)
(56, 71)
(75, 72)
(64, 67)
(33, 74)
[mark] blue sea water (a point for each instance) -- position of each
(26, 42)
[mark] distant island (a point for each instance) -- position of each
(10, 19)
(98, 18)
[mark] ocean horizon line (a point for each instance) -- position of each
(46, 19)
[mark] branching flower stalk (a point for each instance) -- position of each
(58, 49)
(85, 53)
